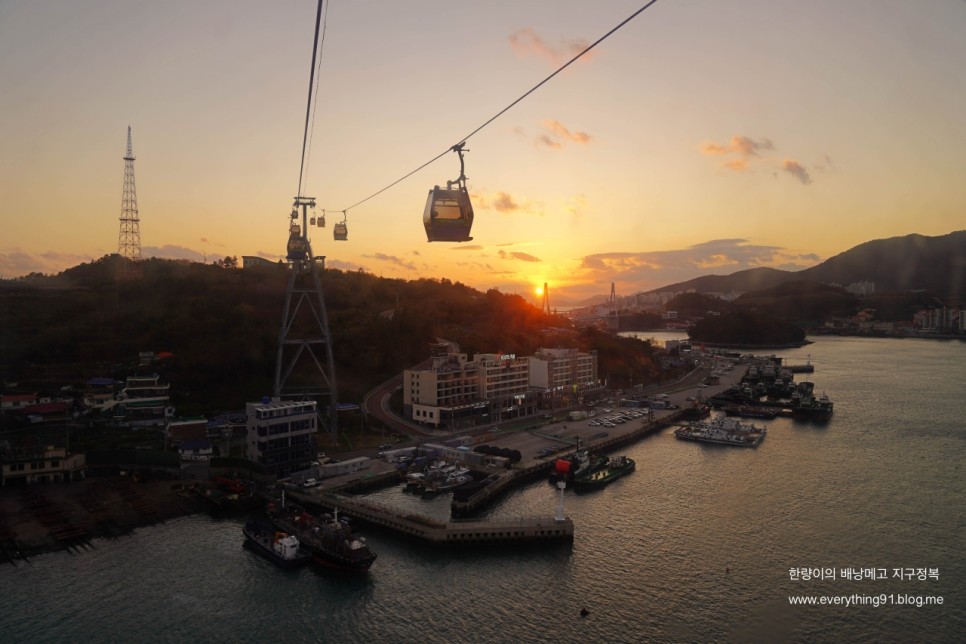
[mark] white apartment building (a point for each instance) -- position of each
(555, 368)
(281, 434)
(456, 392)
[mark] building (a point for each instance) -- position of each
(558, 368)
(196, 450)
(454, 392)
(144, 401)
(280, 434)
(17, 401)
(26, 465)
(181, 430)
(251, 261)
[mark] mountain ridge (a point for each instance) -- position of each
(904, 263)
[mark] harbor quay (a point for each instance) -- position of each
(463, 530)
(506, 531)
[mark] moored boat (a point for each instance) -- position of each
(752, 411)
(724, 431)
(282, 549)
(329, 538)
(579, 463)
(611, 471)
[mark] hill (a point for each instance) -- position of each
(908, 263)
(222, 325)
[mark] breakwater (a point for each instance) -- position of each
(431, 531)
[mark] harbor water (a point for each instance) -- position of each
(703, 543)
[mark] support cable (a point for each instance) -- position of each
(315, 101)
(508, 107)
(308, 106)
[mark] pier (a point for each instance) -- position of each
(431, 531)
(463, 529)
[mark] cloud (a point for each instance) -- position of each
(646, 270)
(523, 257)
(171, 251)
(795, 169)
(563, 132)
(344, 266)
(467, 247)
(576, 205)
(17, 262)
(548, 141)
(742, 151)
(503, 202)
(525, 42)
(392, 259)
(742, 145)
(555, 135)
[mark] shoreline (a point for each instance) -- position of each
(39, 519)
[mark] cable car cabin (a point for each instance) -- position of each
(311, 221)
(298, 247)
(340, 232)
(449, 215)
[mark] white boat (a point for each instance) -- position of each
(722, 430)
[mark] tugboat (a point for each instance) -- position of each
(724, 431)
(578, 464)
(328, 538)
(283, 550)
(613, 470)
(806, 405)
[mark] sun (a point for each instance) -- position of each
(538, 290)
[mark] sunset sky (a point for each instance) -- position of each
(702, 137)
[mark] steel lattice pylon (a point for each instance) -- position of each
(129, 238)
(304, 368)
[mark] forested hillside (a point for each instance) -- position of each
(222, 324)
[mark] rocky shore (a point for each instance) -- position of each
(46, 518)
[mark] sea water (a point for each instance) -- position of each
(702, 543)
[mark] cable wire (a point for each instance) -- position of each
(315, 101)
(308, 106)
(508, 107)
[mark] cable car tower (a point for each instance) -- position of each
(304, 368)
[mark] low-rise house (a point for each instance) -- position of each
(28, 465)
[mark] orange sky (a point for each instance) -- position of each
(703, 137)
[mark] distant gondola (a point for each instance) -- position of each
(448, 215)
(298, 246)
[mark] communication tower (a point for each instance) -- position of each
(546, 299)
(612, 303)
(304, 368)
(129, 238)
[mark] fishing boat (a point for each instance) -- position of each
(580, 463)
(722, 430)
(328, 537)
(610, 472)
(282, 549)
